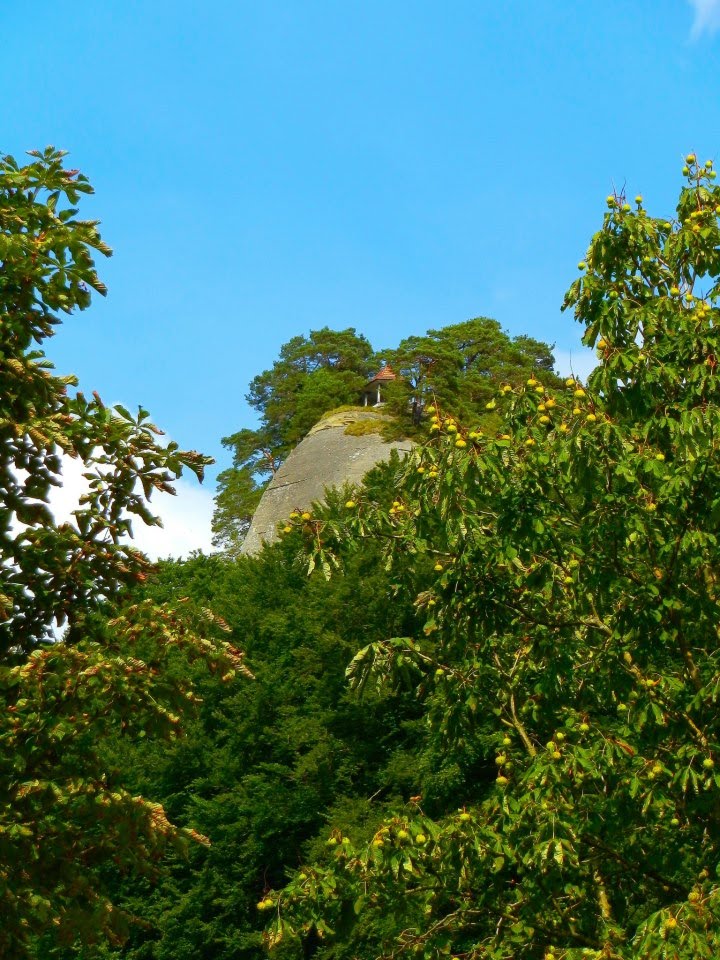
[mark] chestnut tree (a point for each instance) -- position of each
(63, 814)
(567, 572)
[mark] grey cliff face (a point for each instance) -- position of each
(327, 457)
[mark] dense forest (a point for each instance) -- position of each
(468, 709)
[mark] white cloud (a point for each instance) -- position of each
(186, 523)
(578, 363)
(707, 17)
(186, 517)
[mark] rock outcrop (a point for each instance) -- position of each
(340, 449)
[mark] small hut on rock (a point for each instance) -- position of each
(372, 394)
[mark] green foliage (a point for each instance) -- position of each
(361, 428)
(460, 367)
(61, 816)
(567, 572)
(239, 489)
(313, 375)
(266, 763)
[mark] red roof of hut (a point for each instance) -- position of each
(384, 374)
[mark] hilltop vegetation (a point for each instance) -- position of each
(458, 367)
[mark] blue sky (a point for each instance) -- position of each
(266, 168)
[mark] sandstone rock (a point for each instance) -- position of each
(328, 457)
